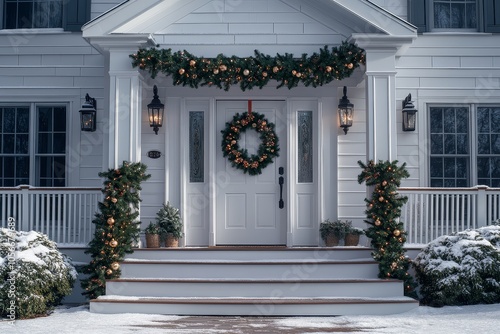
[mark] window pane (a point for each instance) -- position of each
(59, 171)
(23, 166)
(44, 143)
(22, 144)
(25, 15)
(483, 144)
(436, 120)
(441, 15)
(9, 169)
(436, 167)
(23, 120)
(495, 144)
(462, 144)
(455, 14)
(483, 168)
(450, 144)
(60, 119)
(59, 145)
(10, 15)
(44, 119)
(462, 120)
(449, 120)
(9, 120)
(449, 167)
(196, 146)
(495, 119)
(305, 142)
(55, 17)
(8, 143)
(437, 144)
(483, 120)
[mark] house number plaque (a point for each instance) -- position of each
(154, 154)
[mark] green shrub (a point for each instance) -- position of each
(461, 269)
(34, 275)
(170, 221)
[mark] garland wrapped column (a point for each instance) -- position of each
(386, 232)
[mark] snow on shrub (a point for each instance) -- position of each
(461, 269)
(34, 275)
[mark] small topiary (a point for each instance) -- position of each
(34, 275)
(170, 221)
(461, 269)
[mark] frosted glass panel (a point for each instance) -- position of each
(196, 145)
(305, 149)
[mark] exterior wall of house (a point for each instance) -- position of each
(100, 6)
(451, 69)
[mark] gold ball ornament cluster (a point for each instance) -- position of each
(113, 243)
(239, 157)
(115, 266)
(110, 221)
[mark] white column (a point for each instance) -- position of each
(381, 134)
(125, 110)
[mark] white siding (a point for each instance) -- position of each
(100, 6)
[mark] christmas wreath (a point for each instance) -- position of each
(239, 157)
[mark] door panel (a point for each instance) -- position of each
(247, 210)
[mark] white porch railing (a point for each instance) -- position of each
(432, 212)
(64, 214)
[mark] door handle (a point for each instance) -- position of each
(281, 182)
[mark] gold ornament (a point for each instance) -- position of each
(115, 265)
(384, 183)
(192, 63)
(113, 243)
(276, 69)
(216, 71)
(223, 68)
(378, 223)
(294, 72)
(350, 66)
(397, 233)
(381, 199)
(181, 71)
(109, 272)
(264, 74)
(246, 72)
(114, 200)
(111, 221)
(328, 69)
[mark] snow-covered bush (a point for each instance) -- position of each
(461, 269)
(34, 275)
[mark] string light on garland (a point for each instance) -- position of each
(186, 69)
(386, 232)
(239, 157)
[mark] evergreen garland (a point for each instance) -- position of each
(115, 227)
(239, 158)
(387, 233)
(249, 72)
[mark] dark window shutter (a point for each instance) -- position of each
(417, 14)
(76, 14)
(492, 15)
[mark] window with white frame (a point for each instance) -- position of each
(464, 146)
(33, 145)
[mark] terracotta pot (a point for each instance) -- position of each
(171, 241)
(331, 240)
(351, 239)
(152, 240)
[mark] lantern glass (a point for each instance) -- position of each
(88, 114)
(87, 120)
(346, 112)
(155, 111)
(409, 119)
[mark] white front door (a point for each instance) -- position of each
(247, 206)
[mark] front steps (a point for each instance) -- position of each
(255, 281)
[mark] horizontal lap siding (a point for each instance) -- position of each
(351, 149)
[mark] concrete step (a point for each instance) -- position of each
(254, 288)
(252, 306)
(251, 253)
(277, 269)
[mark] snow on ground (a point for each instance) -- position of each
(75, 320)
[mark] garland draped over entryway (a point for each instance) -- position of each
(254, 71)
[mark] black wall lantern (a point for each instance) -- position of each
(409, 114)
(88, 114)
(155, 111)
(345, 109)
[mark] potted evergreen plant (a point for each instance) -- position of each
(152, 235)
(170, 222)
(333, 231)
(352, 236)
